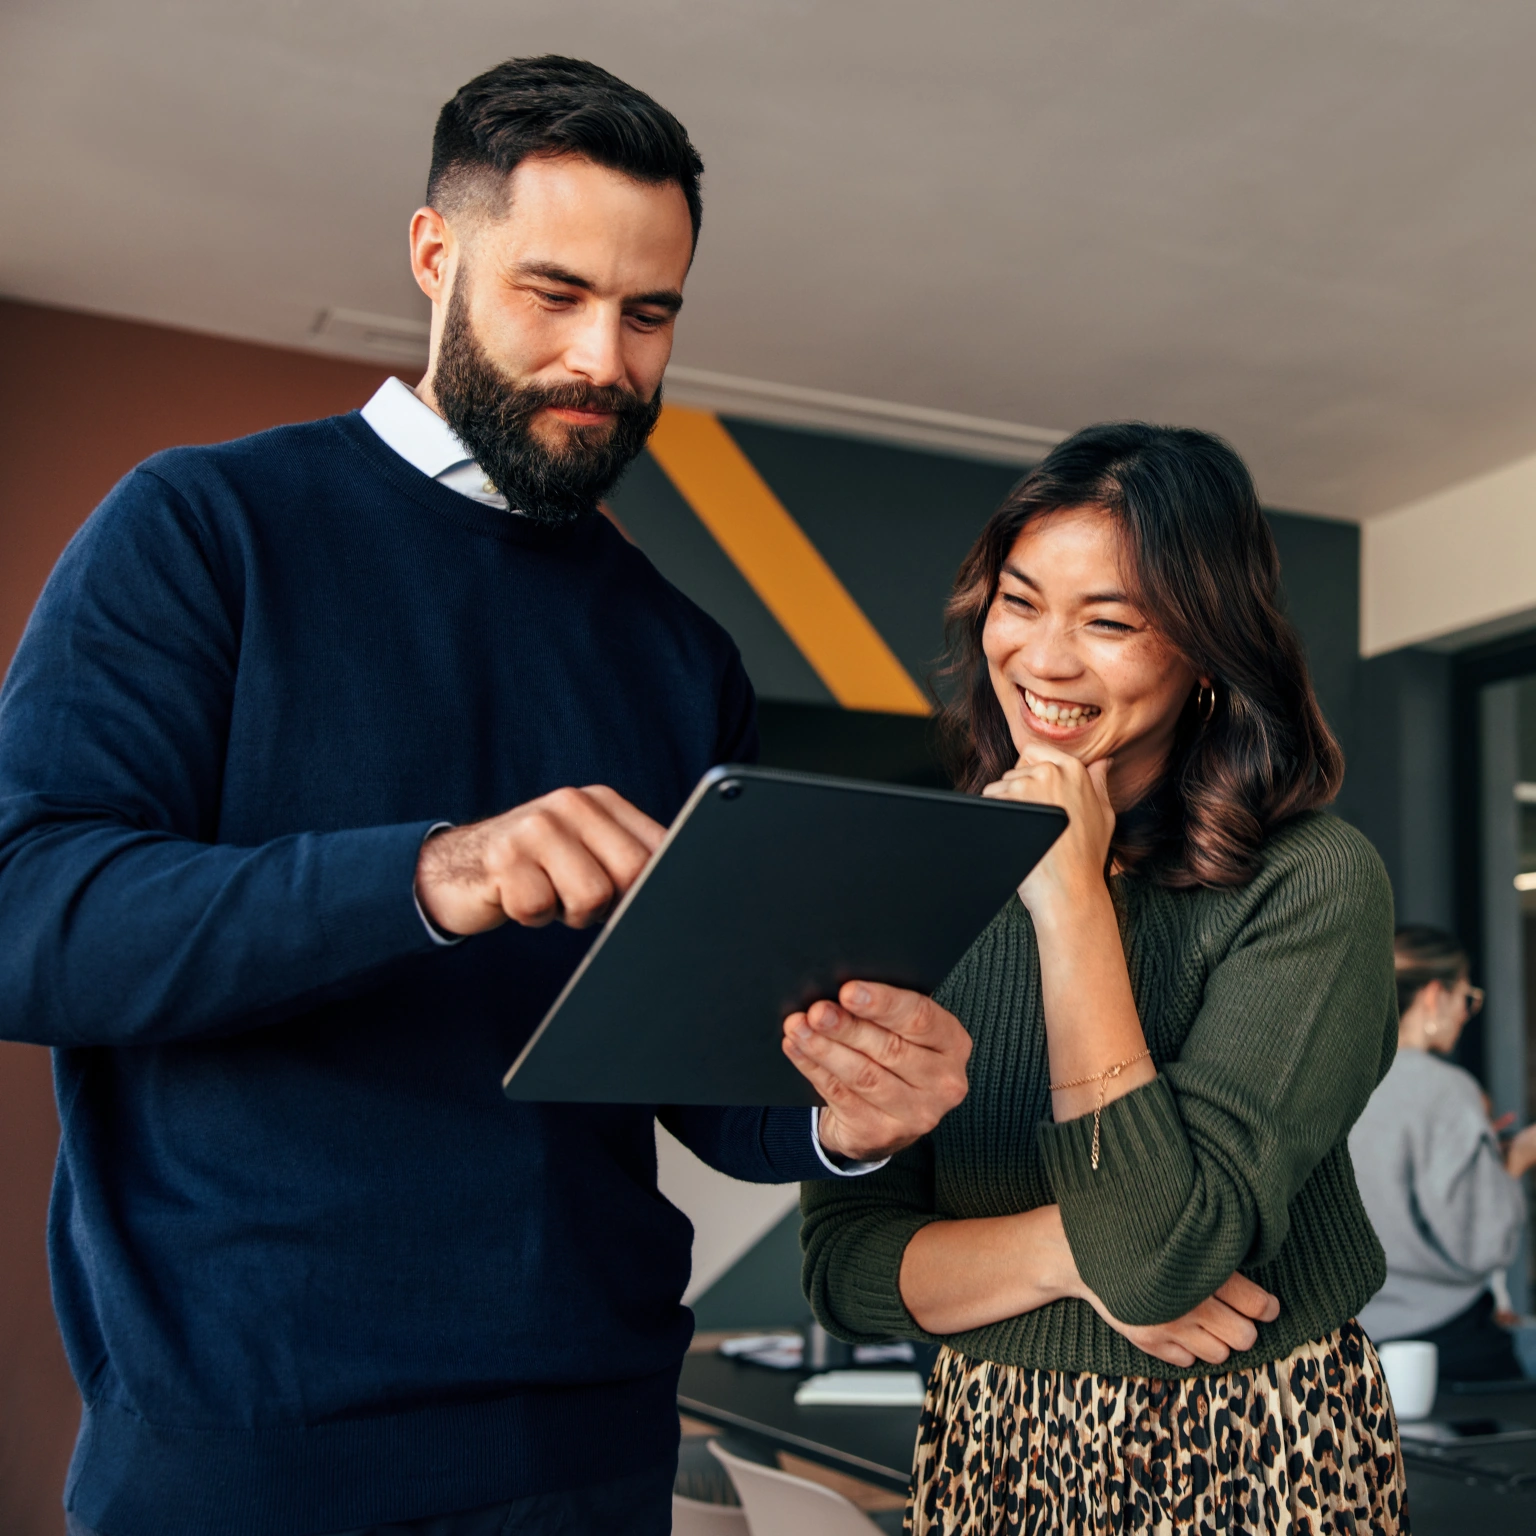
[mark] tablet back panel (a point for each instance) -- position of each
(771, 890)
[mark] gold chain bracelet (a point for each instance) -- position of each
(1102, 1079)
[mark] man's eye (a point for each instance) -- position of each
(649, 321)
(557, 298)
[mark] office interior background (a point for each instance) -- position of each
(936, 239)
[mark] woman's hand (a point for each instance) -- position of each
(1073, 870)
(1091, 1022)
(963, 1274)
(1220, 1324)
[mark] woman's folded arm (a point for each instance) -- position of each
(1198, 1168)
(854, 1235)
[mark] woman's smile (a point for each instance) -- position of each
(1058, 720)
(1074, 660)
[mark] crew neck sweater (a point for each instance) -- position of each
(312, 1269)
(1271, 1015)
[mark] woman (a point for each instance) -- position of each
(1139, 1238)
(1444, 1200)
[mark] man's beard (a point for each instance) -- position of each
(493, 417)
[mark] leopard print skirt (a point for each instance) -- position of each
(1304, 1446)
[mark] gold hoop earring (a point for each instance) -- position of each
(1205, 702)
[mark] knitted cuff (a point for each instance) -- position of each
(869, 1281)
(1119, 1219)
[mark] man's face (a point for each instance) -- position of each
(552, 326)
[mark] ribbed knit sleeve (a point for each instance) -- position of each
(1295, 1027)
(853, 1234)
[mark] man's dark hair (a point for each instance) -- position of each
(554, 106)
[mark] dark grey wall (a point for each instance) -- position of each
(1392, 715)
(1320, 571)
(1399, 789)
(894, 523)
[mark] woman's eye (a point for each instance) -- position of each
(1111, 626)
(1016, 603)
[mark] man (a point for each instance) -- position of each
(263, 893)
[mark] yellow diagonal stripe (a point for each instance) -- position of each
(784, 568)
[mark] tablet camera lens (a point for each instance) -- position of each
(730, 789)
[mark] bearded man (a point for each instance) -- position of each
(263, 893)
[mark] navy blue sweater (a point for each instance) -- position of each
(313, 1270)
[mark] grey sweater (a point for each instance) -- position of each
(1435, 1188)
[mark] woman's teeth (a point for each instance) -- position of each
(1054, 712)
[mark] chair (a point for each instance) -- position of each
(777, 1504)
(693, 1517)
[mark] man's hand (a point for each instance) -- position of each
(565, 857)
(890, 1064)
(1220, 1324)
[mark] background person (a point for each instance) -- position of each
(313, 1272)
(1445, 1201)
(1139, 1238)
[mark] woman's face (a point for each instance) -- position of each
(1073, 661)
(1452, 1006)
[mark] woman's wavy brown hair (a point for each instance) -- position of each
(1205, 572)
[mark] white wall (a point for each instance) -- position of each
(1455, 562)
(728, 1216)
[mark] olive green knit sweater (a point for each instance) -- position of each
(1271, 1015)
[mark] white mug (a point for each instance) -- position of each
(1413, 1369)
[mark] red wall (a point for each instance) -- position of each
(82, 400)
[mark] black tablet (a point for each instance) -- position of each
(769, 891)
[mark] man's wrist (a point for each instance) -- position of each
(838, 1162)
(451, 878)
(439, 935)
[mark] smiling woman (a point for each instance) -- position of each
(1139, 1238)
(1164, 574)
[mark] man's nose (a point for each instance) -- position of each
(596, 350)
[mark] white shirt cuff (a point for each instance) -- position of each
(848, 1170)
(436, 934)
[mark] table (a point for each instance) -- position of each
(874, 1444)
(1489, 1487)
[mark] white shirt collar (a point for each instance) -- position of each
(425, 441)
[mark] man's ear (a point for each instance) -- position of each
(434, 254)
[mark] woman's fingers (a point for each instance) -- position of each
(1242, 1295)
(1207, 1347)
(1170, 1352)
(1230, 1328)
(1033, 752)
(1041, 785)
(1098, 776)
(1210, 1332)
